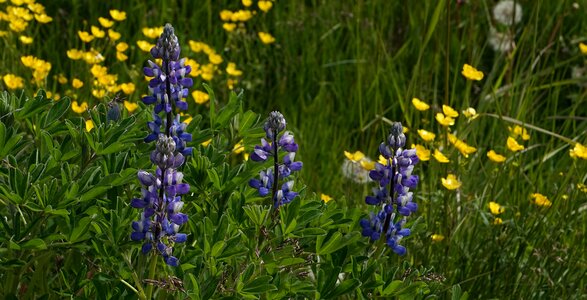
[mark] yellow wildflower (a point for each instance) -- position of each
(127, 88)
(152, 32)
(420, 105)
(583, 48)
(495, 208)
(13, 82)
(187, 120)
(61, 79)
(513, 144)
(266, 38)
(200, 97)
(367, 164)
(463, 148)
(43, 18)
(229, 26)
(582, 187)
(471, 73)
(208, 72)
(3, 33)
(113, 35)
(36, 8)
(437, 237)
(451, 182)
(241, 15)
(449, 111)
(121, 56)
(145, 46)
(494, 157)
(130, 106)
(578, 151)
(215, 58)
(76, 83)
(470, 113)
(206, 143)
(18, 25)
(439, 156)
(426, 135)
(265, 6)
(85, 36)
(238, 147)
(118, 15)
(225, 15)
(382, 160)
(25, 39)
(519, 131)
(89, 125)
(444, 120)
(497, 221)
(541, 200)
(325, 198)
(121, 47)
(97, 32)
(422, 153)
(354, 157)
(75, 54)
(247, 3)
(106, 23)
(79, 108)
(232, 70)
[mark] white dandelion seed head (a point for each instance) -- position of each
(507, 12)
(501, 42)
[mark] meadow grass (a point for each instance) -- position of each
(339, 70)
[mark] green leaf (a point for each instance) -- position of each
(35, 244)
(217, 248)
(259, 285)
(80, 230)
(58, 109)
(333, 244)
(392, 287)
(246, 121)
(212, 103)
(310, 232)
(346, 286)
(213, 176)
(33, 106)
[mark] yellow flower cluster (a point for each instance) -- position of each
(540, 200)
(20, 14)
(237, 19)
(13, 82)
(40, 68)
(206, 71)
(516, 132)
(579, 151)
(359, 157)
(461, 145)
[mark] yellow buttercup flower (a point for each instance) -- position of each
(439, 156)
(241, 15)
(444, 120)
(85, 36)
(121, 47)
(200, 97)
(422, 153)
(470, 113)
(519, 131)
(437, 237)
(540, 200)
(152, 32)
(229, 26)
(215, 58)
(118, 15)
(113, 35)
(266, 38)
(106, 23)
(426, 135)
(513, 145)
(36, 8)
(495, 208)
(206, 143)
(120, 56)
(449, 111)
(61, 79)
(578, 151)
(127, 88)
(145, 46)
(247, 3)
(97, 32)
(382, 160)
(75, 54)
(89, 125)
(13, 82)
(420, 105)
(18, 25)
(25, 39)
(225, 15)
(494, 157)
(581, 187)
(325, 198)
(354, 157)
(265, 6)
(76, 83)
(79, 108)
(451, 182)
(497, 221)
(232, 70)
(43, 18)
(367, 164)
(130, 106)
(463, 147)
(238, 147)
(583, 48)
(187, 120)
(471, 73)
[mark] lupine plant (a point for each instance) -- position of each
(392, 196)
(162, 190)
(272, 177)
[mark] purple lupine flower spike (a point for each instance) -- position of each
(392, 196)
(161, 193)
(274, 143)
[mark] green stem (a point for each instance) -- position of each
(152, 269)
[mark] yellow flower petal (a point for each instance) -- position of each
(497, 221)
(266, 38)
(444, 120)
(451, 182)
(471, 73)
(153, 32)
(325, 198)
(206, 143)
(519, 131)
(422, 153)
(247, 3)
(470, 113)
(426, 135)
(118, 15)
(265, 6)
(420, 105)
(97, 32)
(200, 97)
(25, 39)
(449, 111)
(238, 147)
(583, 48)
(578, 151)
(513, 145)
(229, 26)
(130, 106)
(495, 208)
(76, 83)
(77, 108)
(145, 46)
(106, 23)
(13, 82)
(437, 237)
(494, 157)
(439, 156)
(85, 36)
(225, 15)
(89, 125)
(540, 200)
(127, 88)
(113, 35)
(355, 157)
(367, 165)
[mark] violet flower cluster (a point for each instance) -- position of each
(392, 196)
(161, 192)
(270, 149)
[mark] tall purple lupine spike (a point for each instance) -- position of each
(161, 194)
(270, 147)
(393, 194)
